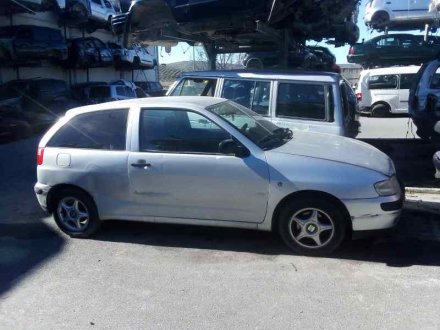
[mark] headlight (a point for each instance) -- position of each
(388, 187)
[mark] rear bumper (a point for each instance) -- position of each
(41, 191)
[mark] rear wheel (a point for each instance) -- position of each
(75, 213)
(380, 110)
(380, 20)
(312, 226)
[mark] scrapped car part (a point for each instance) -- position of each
(131, 58)
(22, 44)
(152, 88)
(310, 57)
(245, 26)
(101, 14)
(394, 49)
(88, 52)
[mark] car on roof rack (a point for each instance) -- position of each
(394, 49)
(398, 14)
(300, 100)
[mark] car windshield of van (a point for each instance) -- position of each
(256, 128)
(98, 92)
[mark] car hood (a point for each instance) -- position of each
(338, 149)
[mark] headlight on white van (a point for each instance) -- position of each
(388, 187)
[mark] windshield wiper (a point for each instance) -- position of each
(270, 141)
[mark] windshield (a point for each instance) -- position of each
(262, 132)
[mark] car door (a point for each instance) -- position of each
(406, 81)
(176, 171)
(419, 9)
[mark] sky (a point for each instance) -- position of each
(183, 52)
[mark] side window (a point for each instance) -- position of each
(98, 2)
(388, 41)
(250, 94)
(301, 100)
(120, 90)
(383, 82)
(195, 87)
(407, 80)
(105, 130)
(129, 92)
(179, 131)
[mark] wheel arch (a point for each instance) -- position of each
(309, 194)
(381, 102)
(57, 189)
(382, 11)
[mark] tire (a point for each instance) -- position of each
(83, 221)
(380, 111)
(322, 225)
(380, 20)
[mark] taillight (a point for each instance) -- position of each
(359, 96)
(40, 154)
(351, 51)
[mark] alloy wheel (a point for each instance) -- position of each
(311, 228)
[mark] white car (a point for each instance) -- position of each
(135, 58)
(399, 14)
(102, 12)
(210, 161)
(385, 91)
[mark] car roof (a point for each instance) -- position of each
(160, 102)
(394, 70)
(273, 74)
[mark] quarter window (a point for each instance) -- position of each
(383, 82)
(304, 101)
(179, 131)
(105, 130)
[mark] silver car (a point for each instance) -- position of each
(209, 161)
(398, 14)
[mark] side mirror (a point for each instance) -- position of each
(231, 147)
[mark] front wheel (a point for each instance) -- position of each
(75, 214)
(312, 226)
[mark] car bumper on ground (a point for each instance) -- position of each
(375, 213)
(41, 191)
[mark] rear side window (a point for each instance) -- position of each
(407, 80)
(105, 130)
(303, 101)
(388, 81)
(248, 93)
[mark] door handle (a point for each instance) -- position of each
(141, 165)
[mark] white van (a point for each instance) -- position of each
(309, 101)
(386, 90)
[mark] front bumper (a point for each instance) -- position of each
(41, 191)
(375, 213)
